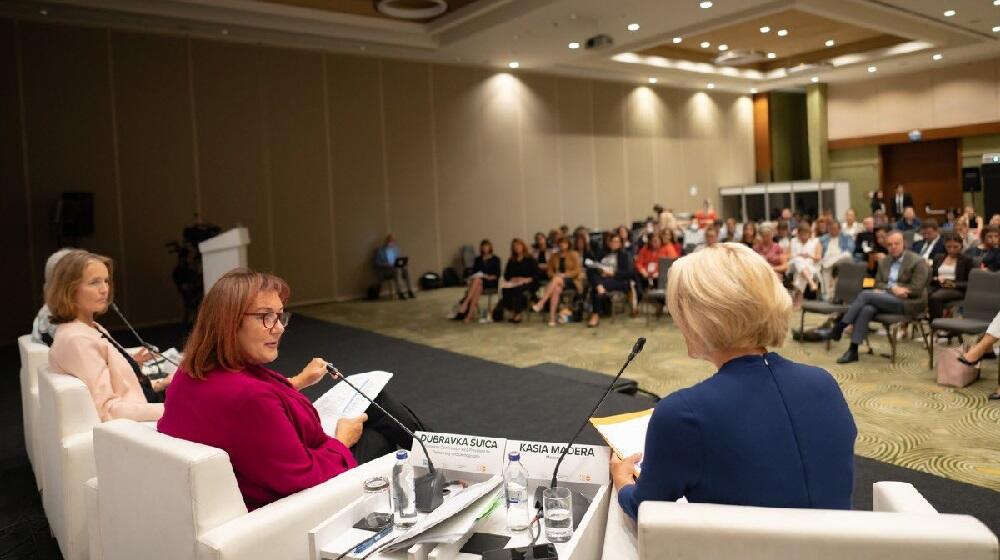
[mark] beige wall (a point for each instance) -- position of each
(321, 154)
(941, 97)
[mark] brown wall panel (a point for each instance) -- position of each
(609, 154)
(156, 167)
(292, 93)
(356, 152)
(577, 147)
(409, 129)
(231, 143)
(23, 289)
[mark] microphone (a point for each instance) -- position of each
(152, 349)
(579, 511)
(429, 488)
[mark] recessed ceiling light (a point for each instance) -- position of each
(705, 5)
(513, 65)
(705, 44)
(677, 40)
(44, 12)
(574, 45)
(710, 85)
(872, 69)
(996, 2)
(950, 13)
(723, 47)
(225, 32)
(753, 90)
(771, 55)
(830, 43)
(996, 28)
(782, 32)
(765, 29)
(633, 27)
(939, 56)
(653, 80)
(814, 79)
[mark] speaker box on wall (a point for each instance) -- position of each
(74, 214)
(971, 179)
(991, 189)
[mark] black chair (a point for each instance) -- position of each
(850, 280)
(658, 296)
(891, 322)
(980, 306)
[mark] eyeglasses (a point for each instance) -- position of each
(271, 318)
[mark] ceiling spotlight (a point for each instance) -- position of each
(782, 32)
(765, 29)
(633, 27)
(939, 56)
(705, 44)
(574, 45)
(677, 40)
(771, 55)
(225, 32)
(950, 13)
(705, 5)
(753, 90)
(513, 65)
(829, 43)
(710, 85)
(44, 12)
(653, 80)
(996, 2)
(814, 79)
(996, 28)
(723, 47)
(872, 69)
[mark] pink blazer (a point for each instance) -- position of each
(270, 430)
(79, 350)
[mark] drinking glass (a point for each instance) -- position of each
(557, 504)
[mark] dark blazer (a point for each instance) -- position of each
(897, 213)
(525, 268)
(963, 266)
(763, 431)
(626, 266)
(938, 249)
(913, 275)
(490, 268)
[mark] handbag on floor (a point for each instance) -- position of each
(952, 372)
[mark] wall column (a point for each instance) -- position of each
(763, 164)
(819, 155)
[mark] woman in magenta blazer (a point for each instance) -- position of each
(225, 397)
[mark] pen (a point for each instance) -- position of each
(367, 543)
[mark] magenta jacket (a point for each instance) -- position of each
(270, 430)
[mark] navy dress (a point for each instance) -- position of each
(763, 431)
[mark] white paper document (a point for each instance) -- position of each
(625, 433)
(343, 402)
(161, 366)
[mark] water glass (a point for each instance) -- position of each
(377, 503)
(557, 504)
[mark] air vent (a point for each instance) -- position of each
(739, 57)
(412, 9)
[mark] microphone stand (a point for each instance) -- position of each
(584, 503)
(152, 349)
(429, 488)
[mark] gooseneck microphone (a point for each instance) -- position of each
(429, 487)
(152, 349)
(555, 472)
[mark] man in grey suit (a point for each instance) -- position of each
(900, 288)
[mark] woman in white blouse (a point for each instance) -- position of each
(805, 254)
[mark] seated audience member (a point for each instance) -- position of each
(647, 263)
(749, 237)
(581, 244)
(970, 218)
(670, 244)
(706, 216)
(615, 273)
(864, 241)
(540, 251)
(909, 221)
(876, 202)
(878, 252)
(882, 219)
(81, 288)
(763, 431)
(973, 356)
(804, 256)
(949, 276)
(485, 274)
(969, 239)
(565, 268)
(838, 246)
(627, 245)
(899, 287)
(520, 280)
(730, 232)
(771, 251)
(711, 238)
(995, 220)
(224, 396)
(949, 219)
(386, 258)
(820, 227)
(931, 245)
(694, 237)
(851, 225)
(42, 329)
(989, 252)
(787, 217)
(783, 236)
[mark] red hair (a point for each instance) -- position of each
(214, 340)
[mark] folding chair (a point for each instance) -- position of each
(850, 278)
(980, 306)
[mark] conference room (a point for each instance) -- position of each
(500, 279)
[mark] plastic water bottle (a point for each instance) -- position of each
(516, 487)
(403, 493)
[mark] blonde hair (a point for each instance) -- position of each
(60, 290)
(727, 296)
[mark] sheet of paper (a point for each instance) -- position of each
(161, 366)
(479, 274)
(625, 433)
(342, 402)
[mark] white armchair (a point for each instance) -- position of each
(33, 357)
(67, 417)
(159, 497)
(903, 526)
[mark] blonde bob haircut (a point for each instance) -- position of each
(727, 296)
(60, 290)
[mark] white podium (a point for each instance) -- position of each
(222, 253)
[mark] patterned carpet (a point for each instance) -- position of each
(903, 416)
